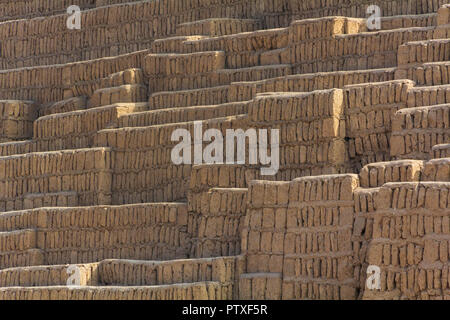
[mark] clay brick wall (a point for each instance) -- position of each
(312, 141)
(302, 230)
(91, 234)
(71, 104)
(216, 214)
(314, 237)
(394, 215)
(417, 130)
(21, 9)
(366, 50)
(308, 82)
(143, 168)
(310, 8)
(139, 273)
(409, 242)
(16, 119)
(312, 130)
(426, 74)
(109, 30)
(76, 129)
(441, 151)
(56, 83)
(369, 110)
(85, 171)
(17, 147)
(190, 71)
(196, 291)
(47, 276)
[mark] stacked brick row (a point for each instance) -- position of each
(16, 119)
(109, 30)
(145, 273)
(358, 8)
(441, 151)
(21, 9)
(47, 276)
(216, 27)
(85, 171)
(410, 241)
(116, 272)
(171, 72)
(369, 112)
(417, 130)
(307, 82)
(56, 83)
(215, 221)
(300, 231)
(417, 52)
(176, 115)
(187, 98)
(76, 129)
(195, 291)
(91, 234)
(348, 49)
(426, 74)
(68, 105)
(312, 129)
(143, 166)
(240, 50)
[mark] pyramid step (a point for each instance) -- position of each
(168, 72)
(130, 76)
(173, 44)
(428, 96)
(254, 73)
(85, 171)
(441, 150)
(408, 21)
(18, 240)
(143, 273)
(416, 130)
(243, 91)
(190, 291)
(275, 57)
(117, 272)
(187, 98)
(68, 105)
(427, 74)
(260, 286)
(58, 199)
(16, 119)
(89, 234)
(242, 50)
(30, 257)
(376, 174)
(121, 94)
(167, 64)
(17, 147)
(153, 145)
(418, 52)
(54, 275)
(72, 130)
(182, 114)
(216, 27)
(216, 221)
(437, 170)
